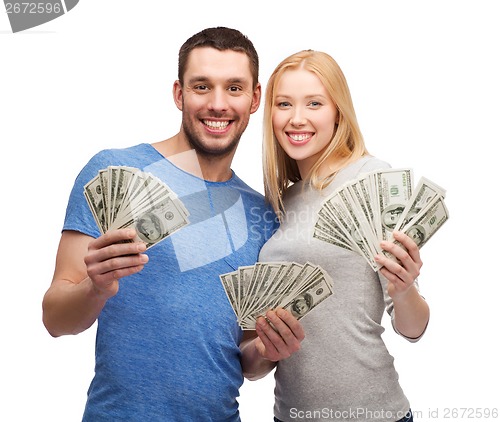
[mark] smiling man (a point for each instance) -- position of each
(167, 346)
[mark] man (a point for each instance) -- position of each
(167, 346)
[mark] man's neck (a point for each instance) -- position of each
(210, 168)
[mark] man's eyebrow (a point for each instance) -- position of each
(205, 79)
(196, 79)
(238, 80)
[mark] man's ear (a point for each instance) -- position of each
(256, 98)
(177, 94)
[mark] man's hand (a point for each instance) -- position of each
(111, 257)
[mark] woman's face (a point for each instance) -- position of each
(303, 116)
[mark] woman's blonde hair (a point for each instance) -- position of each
(346, 146)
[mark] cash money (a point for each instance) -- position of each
(121, 196)
(253, 290)
(365, 211)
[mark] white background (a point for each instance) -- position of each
(424, 80)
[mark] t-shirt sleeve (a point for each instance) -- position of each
(78, 214)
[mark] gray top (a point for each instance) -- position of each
(343, 370)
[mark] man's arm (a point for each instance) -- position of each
(86, 275)
(263, 348)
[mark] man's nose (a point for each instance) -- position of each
(218, 100)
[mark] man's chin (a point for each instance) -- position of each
(210, 151)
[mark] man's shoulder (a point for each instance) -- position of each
(121, 154)
(246, 189)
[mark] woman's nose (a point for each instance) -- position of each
(298, 118)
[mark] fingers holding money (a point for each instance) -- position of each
(280, 334)
(408, 254)
(404, 270)
(407, 264)
(113, 256)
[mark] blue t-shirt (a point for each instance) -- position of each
(167, 343)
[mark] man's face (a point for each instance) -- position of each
(216, 100)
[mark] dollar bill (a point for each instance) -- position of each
(121, 196)
(156, 223)
(365, 211)
(253, 290)
(425, 193)
(427, 222)
(311, 297)
(394, 189)
(93, 193)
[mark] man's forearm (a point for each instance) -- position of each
(70, 308)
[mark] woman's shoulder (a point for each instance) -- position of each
(367, 164)
(363, 165)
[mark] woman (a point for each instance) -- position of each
(312, 146)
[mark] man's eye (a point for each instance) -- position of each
(201, 87)
(234, 88)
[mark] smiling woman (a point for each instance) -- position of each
(304, 117)
(313, 146)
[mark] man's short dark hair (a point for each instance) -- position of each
(220, 38)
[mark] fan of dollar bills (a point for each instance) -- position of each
(365, 211)
(121, 197)
(252, 290)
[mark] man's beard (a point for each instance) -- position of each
(204, 149)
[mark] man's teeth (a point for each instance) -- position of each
(216, 124)
(300, 137)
